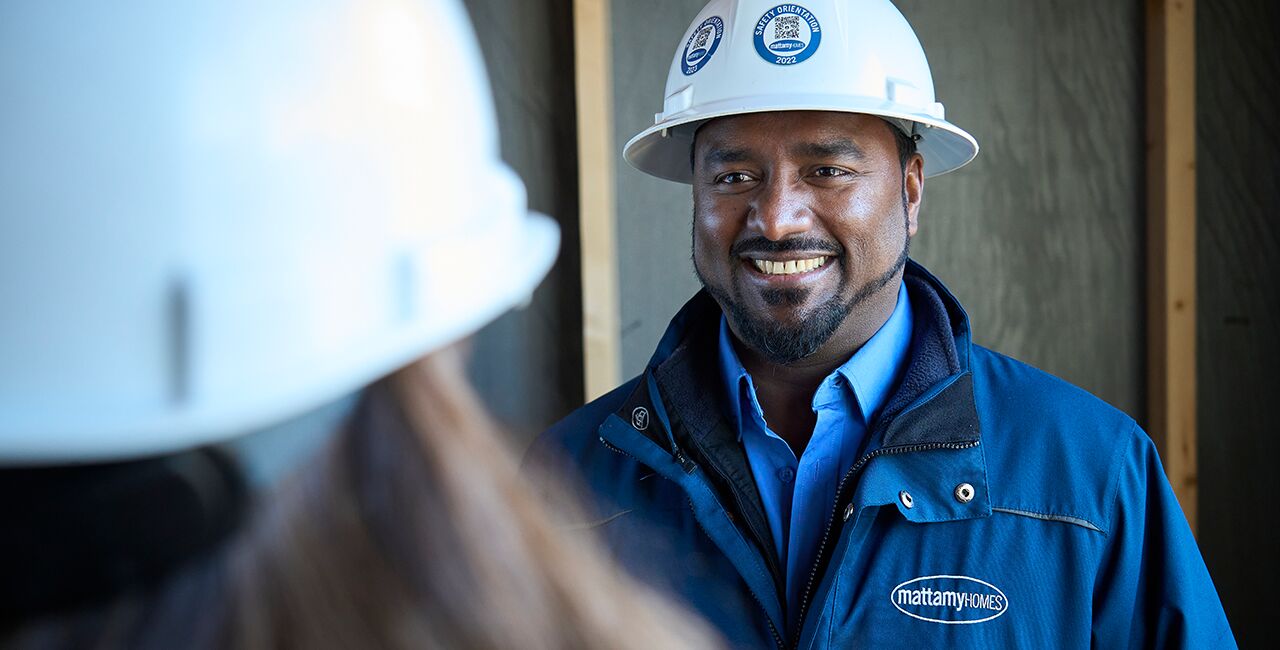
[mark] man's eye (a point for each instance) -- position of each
(829, 172)
(733, 178)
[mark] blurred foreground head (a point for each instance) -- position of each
(220, 214)
(214, 217)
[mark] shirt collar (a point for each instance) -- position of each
(871, 372)
(736, 380)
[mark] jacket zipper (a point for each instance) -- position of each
(685, 463)
(689, 466)
(835, 509)
(614, 448)
(770, 562)
(777, 638)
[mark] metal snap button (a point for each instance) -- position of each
(905, 498)
(964, 493)
(848, 511)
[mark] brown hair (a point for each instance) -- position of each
(413, 529)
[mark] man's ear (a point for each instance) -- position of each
(913, 191)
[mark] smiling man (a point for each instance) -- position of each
(817, 455)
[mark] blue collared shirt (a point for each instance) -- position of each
(798, 493)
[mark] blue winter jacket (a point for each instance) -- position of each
(995, 506)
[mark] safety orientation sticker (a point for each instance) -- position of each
(787, 34)
(702, 44)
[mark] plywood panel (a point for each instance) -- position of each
(1238, 315)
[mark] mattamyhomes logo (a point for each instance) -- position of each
(951, 600)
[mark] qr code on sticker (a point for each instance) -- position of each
(700, 41)
(786, 27)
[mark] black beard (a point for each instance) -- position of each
(786, 344)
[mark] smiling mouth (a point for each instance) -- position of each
(789, 267)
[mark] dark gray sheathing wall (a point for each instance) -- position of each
(1238, 315)
(528, 364)
(655, 276)
(1040, 237)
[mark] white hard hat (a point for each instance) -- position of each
(754, 56)
(218, 214)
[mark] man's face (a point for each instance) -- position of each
(799, 219)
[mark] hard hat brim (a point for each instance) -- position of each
(663, 150)
(511, 274)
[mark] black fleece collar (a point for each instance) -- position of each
(933, 403)
(937, 373)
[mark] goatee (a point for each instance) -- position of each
(787, 343)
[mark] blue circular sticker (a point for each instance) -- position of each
(787, 34)
(701, 45)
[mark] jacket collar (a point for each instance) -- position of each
(936, 374)
(680, 406)
(685, 411)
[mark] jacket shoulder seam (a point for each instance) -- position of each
(1117, 465)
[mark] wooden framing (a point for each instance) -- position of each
(1171, 242)
(601, 335)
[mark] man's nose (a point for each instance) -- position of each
(780, 210)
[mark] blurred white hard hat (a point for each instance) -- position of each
(753, 56)
(215, 215)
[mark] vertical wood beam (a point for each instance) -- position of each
(1171, 242)
(601, 345)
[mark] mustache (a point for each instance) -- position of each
(759, 244)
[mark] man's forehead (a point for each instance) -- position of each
(818, 133)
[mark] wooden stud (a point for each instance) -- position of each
(1171, 242)
(601, 336)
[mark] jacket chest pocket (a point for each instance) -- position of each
(963, 584)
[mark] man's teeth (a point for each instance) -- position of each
(790, 266)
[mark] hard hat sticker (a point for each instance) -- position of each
(787, 34)
(702, 44)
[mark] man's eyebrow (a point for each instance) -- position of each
(719, 156)
(830, 149)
